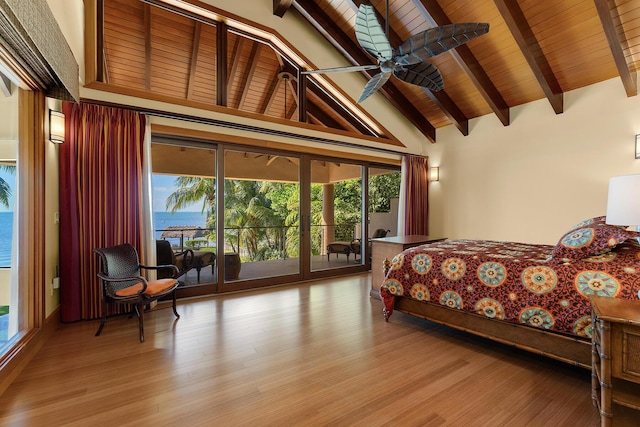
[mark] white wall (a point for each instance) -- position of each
(532, 180)
(386, 220)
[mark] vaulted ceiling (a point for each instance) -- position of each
(534, 50)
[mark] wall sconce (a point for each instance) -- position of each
(434, 174)
(56, 127)
(637, 146)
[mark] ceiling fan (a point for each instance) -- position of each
(408, 61)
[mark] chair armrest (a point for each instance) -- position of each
(189, 257)
(141, 279)
(159, 267)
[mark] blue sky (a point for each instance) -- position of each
(162, 187)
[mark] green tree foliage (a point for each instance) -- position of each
(5, 188)
(262, 218)
(383, 188)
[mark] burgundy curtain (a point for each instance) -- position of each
(416, 186)
(100, 198)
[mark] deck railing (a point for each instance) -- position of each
(261, 243)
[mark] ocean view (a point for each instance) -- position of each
(162, 220)
(6, 231)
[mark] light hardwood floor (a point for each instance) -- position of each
(318, 353)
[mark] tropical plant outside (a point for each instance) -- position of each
(5, 188)
(262, 217)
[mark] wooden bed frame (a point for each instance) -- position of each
(560, 347)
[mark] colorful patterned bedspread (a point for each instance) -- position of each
(514, 282)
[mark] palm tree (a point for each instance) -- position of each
(249, 212)
(193, 189)
(190, 190)
(5, 189)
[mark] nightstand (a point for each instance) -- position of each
(388, 247)
(615, 378)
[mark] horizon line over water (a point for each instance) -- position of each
(161, 220)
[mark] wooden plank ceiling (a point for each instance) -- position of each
(534, 50)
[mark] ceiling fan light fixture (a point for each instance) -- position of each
(408, 62)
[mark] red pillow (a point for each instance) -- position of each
(589, 238)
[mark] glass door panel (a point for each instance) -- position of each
(184, 208)
(261, 216)
(9, 302)
(384, 192)
(336, 215)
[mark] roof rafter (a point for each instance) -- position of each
(521, 31)
(281, 6)
(195, 50)
(271, 93)
(221, 64)
(354, 54)
(629, 80)
(249, 72)
(435, 16)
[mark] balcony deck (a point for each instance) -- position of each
(258, 269)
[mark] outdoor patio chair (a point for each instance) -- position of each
(356, 244)
(184, 261)
(123, 283)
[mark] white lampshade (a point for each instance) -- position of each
(623, 203)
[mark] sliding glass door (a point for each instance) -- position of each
(261, 218)
(336, 218)
(184, 211)
(255, 217)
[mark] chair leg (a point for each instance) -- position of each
(104, 318)
(140, 312)
(175, 311)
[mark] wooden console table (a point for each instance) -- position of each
(388, 247)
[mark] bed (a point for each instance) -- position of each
(535, 297)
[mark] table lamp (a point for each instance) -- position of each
(623, 202)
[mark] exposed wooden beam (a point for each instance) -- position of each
(281, 6)
(329, 102)
(521, 31)
(440, 98)
(355, 55)
(195, 50)
(249, 72)
(435, 16)
(271, 94)
(301, 91)
(235, 64)
(605, 9)
(100, 57)
(222, 83)
(323, 118)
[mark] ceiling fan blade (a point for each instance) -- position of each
(370, 34)
(373, 85)
(423, 74)
(342, 69)
(436, 40)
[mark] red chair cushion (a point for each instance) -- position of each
(154, 287)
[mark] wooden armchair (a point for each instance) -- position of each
(122, 283)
